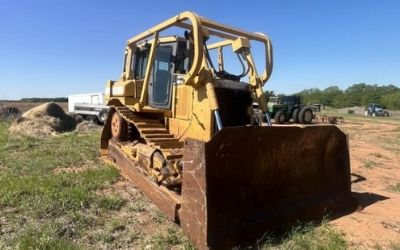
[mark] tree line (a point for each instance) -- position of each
(360, 94)
(40, 99)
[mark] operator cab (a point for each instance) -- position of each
(172, 58)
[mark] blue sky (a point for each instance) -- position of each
(55, 48)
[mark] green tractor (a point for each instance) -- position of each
(283, 108)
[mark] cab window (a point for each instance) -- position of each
(140, 64)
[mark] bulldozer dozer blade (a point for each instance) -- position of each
(249, 180)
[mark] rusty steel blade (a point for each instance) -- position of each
(248, 180)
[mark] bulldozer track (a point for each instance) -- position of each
(154, 133)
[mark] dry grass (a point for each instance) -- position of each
(396, 187)
(42, 121)
(55, 193)
(308, 236)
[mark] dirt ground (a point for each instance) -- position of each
(375, 166)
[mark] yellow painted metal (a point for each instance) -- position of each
(193, 118)
(219, 44)
(127, 63)
(174, 21)
(193, 99)
(240, 44)
(183, 102)
(149, 68)
(220, 59)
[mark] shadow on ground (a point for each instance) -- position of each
(367, 199)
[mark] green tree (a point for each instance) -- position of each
(391, 101)
(313, 95)
(330, 96)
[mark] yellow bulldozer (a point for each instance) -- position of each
(184, 131)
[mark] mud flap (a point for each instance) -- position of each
(247, 181)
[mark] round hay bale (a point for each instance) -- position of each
(9, 113)
(78, 118)
(68, 123)
(86, 126)
(46, 109)
(43, 120)
(39, 127)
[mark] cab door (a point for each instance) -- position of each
(160, 85)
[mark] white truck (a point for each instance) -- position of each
(90, 106)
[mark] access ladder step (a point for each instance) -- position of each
(163, 145)
(146, 131)
(151, 136)
(142, 120)
(159, 140)
(148, 125)
(173, 157)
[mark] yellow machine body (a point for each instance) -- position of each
(185, 132)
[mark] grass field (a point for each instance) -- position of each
(55, 193)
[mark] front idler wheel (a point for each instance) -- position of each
(119, 127)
